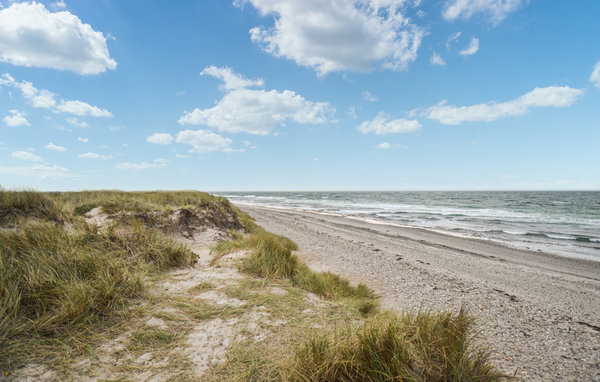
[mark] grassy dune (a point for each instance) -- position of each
(63, 282)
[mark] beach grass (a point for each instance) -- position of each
(422, 346)
(271, 257)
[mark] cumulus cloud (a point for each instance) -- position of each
(160, 139)
(338, 35)
(16, 118)
(77, 123)
(436, 59)
(81, 108)
(595, 76)
(31, 35)
(82, 140)
(203, 141)
(382, 124)
(369, 97)
(26, 156)
(52, 146)
(255, 111)
(471, 49)
(92, 155)
(157, 163)
(551, 96)
(40, 171)
(39, 98)
(42, 98)
(230, 79)
(383, 146)
(495, 10)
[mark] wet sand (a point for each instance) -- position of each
(540, 313)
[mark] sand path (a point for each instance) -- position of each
(540, 313)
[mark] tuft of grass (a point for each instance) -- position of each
(271, 257)
(18, 205)
(423, 346)
(151, 337)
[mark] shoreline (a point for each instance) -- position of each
(420, 233)
(541, 312)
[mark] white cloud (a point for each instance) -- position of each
(81, 108)
(382, 124)
(351, 112)
(40, 171)
(383, 146)
(495, 10)
(77, 123)
(42, 98)
(52, 146)
(157, 163)
(82, 140)
(471, 49)
(182, 156)
(91, 155)
(452, 38)
(59, 5)
(338, 35)
(160, 139)
(369, 97)
(17, 118)
(230, 79)
(551, 96)
(257, 111)
(30, 35)
(436, 59)
(595, 76)
(203, 141)
(26, 156)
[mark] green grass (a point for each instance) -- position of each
(55, 282)
(61, 282)
(18, 205)
(423, 346)
(271, 257)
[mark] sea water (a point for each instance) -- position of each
(562, 223)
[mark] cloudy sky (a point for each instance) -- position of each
(300, 95)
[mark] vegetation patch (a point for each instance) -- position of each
(18, 205)
(271, 257)
(423, 346)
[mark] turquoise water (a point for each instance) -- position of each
(562, 223)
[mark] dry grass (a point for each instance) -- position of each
(422, 346)
(271, 257)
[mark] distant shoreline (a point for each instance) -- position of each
(486, 240)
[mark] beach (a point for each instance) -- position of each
(540, 313)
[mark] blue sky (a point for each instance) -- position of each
(300, 95)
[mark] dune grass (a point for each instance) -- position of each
(18, 205)
(58, 284)
(424, 346)
(60, 278)
(271, 257)
(112, 202)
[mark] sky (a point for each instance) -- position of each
(226, 95)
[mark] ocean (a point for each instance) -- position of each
(562, 223)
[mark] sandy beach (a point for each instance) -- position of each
(540, 313)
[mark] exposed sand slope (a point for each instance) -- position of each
(540, 312)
